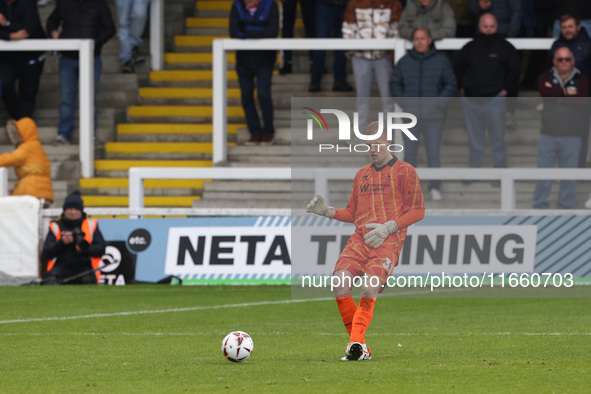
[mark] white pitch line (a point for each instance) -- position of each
(147, 312)
(193, 308)
(381, 334)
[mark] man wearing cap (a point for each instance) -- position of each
(74, 246)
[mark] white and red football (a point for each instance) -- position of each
(237, 346)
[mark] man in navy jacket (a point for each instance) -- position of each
(425, 78)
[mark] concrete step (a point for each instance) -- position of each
(194, 61)
(149, 201)
(229, 203)
(159, 150)
(184, 96)
(180, 114)
(164, 132)
(119, 186)
(120, 168)
(185, 43)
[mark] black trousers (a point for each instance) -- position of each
(308, 8)
(20, 102)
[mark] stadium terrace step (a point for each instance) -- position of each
(106, 165)
(248, 186)
(171, 132)
(178, 95)
(121, 185)
(159, 150)
(149, 201)
(189, 60)
(158, 147)
(182, 113)
(189, 43)
(213, 5)
(239, 203)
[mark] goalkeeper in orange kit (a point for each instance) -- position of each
(385, 200)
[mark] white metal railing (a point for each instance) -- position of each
(322, 176)
(4, 182)
(85, 86)
(219, 65)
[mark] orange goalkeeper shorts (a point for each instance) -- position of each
(359, 259)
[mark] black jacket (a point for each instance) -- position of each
(487, 65)
(68, 261)
(22, 14)
(82, 19)
(255, 27)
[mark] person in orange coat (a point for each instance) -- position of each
(29, 160)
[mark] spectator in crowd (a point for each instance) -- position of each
(131, 20)
(507, 13)
(329, 18)
(370, 19)
(580, 8)
(576, 38)
(78, 19)
(74, 245)
(256, 19)
(542, 24)
(308, 8)
(564, 121)
(465, 21)
(486, 69)
(437, 16)
(29, 160)
(424, 72)
(19, 20)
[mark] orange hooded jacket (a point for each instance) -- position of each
(30, 163)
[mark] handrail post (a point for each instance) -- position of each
(3, 181)
(136, 191)
(507, 190)
(87, 105)
(157, 34)
(219, 120)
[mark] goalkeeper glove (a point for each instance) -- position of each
(319, 206)
(376, 237)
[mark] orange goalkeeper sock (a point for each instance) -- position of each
(362, 319)
(347, 308)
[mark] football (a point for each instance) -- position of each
(237, 346)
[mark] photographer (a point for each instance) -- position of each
(74, 246)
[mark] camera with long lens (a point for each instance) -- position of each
(78, 236)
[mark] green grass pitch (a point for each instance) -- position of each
(157, 338)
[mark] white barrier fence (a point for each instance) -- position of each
(85, 87)
(4, 182)
(322, 176)
(221, 46)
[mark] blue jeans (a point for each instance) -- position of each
(131, 20)
(68, 70)
(431, 130)
(246, 77)
(482, 114)
(566, 151)
(329, 18)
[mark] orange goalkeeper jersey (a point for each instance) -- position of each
(392, 192)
